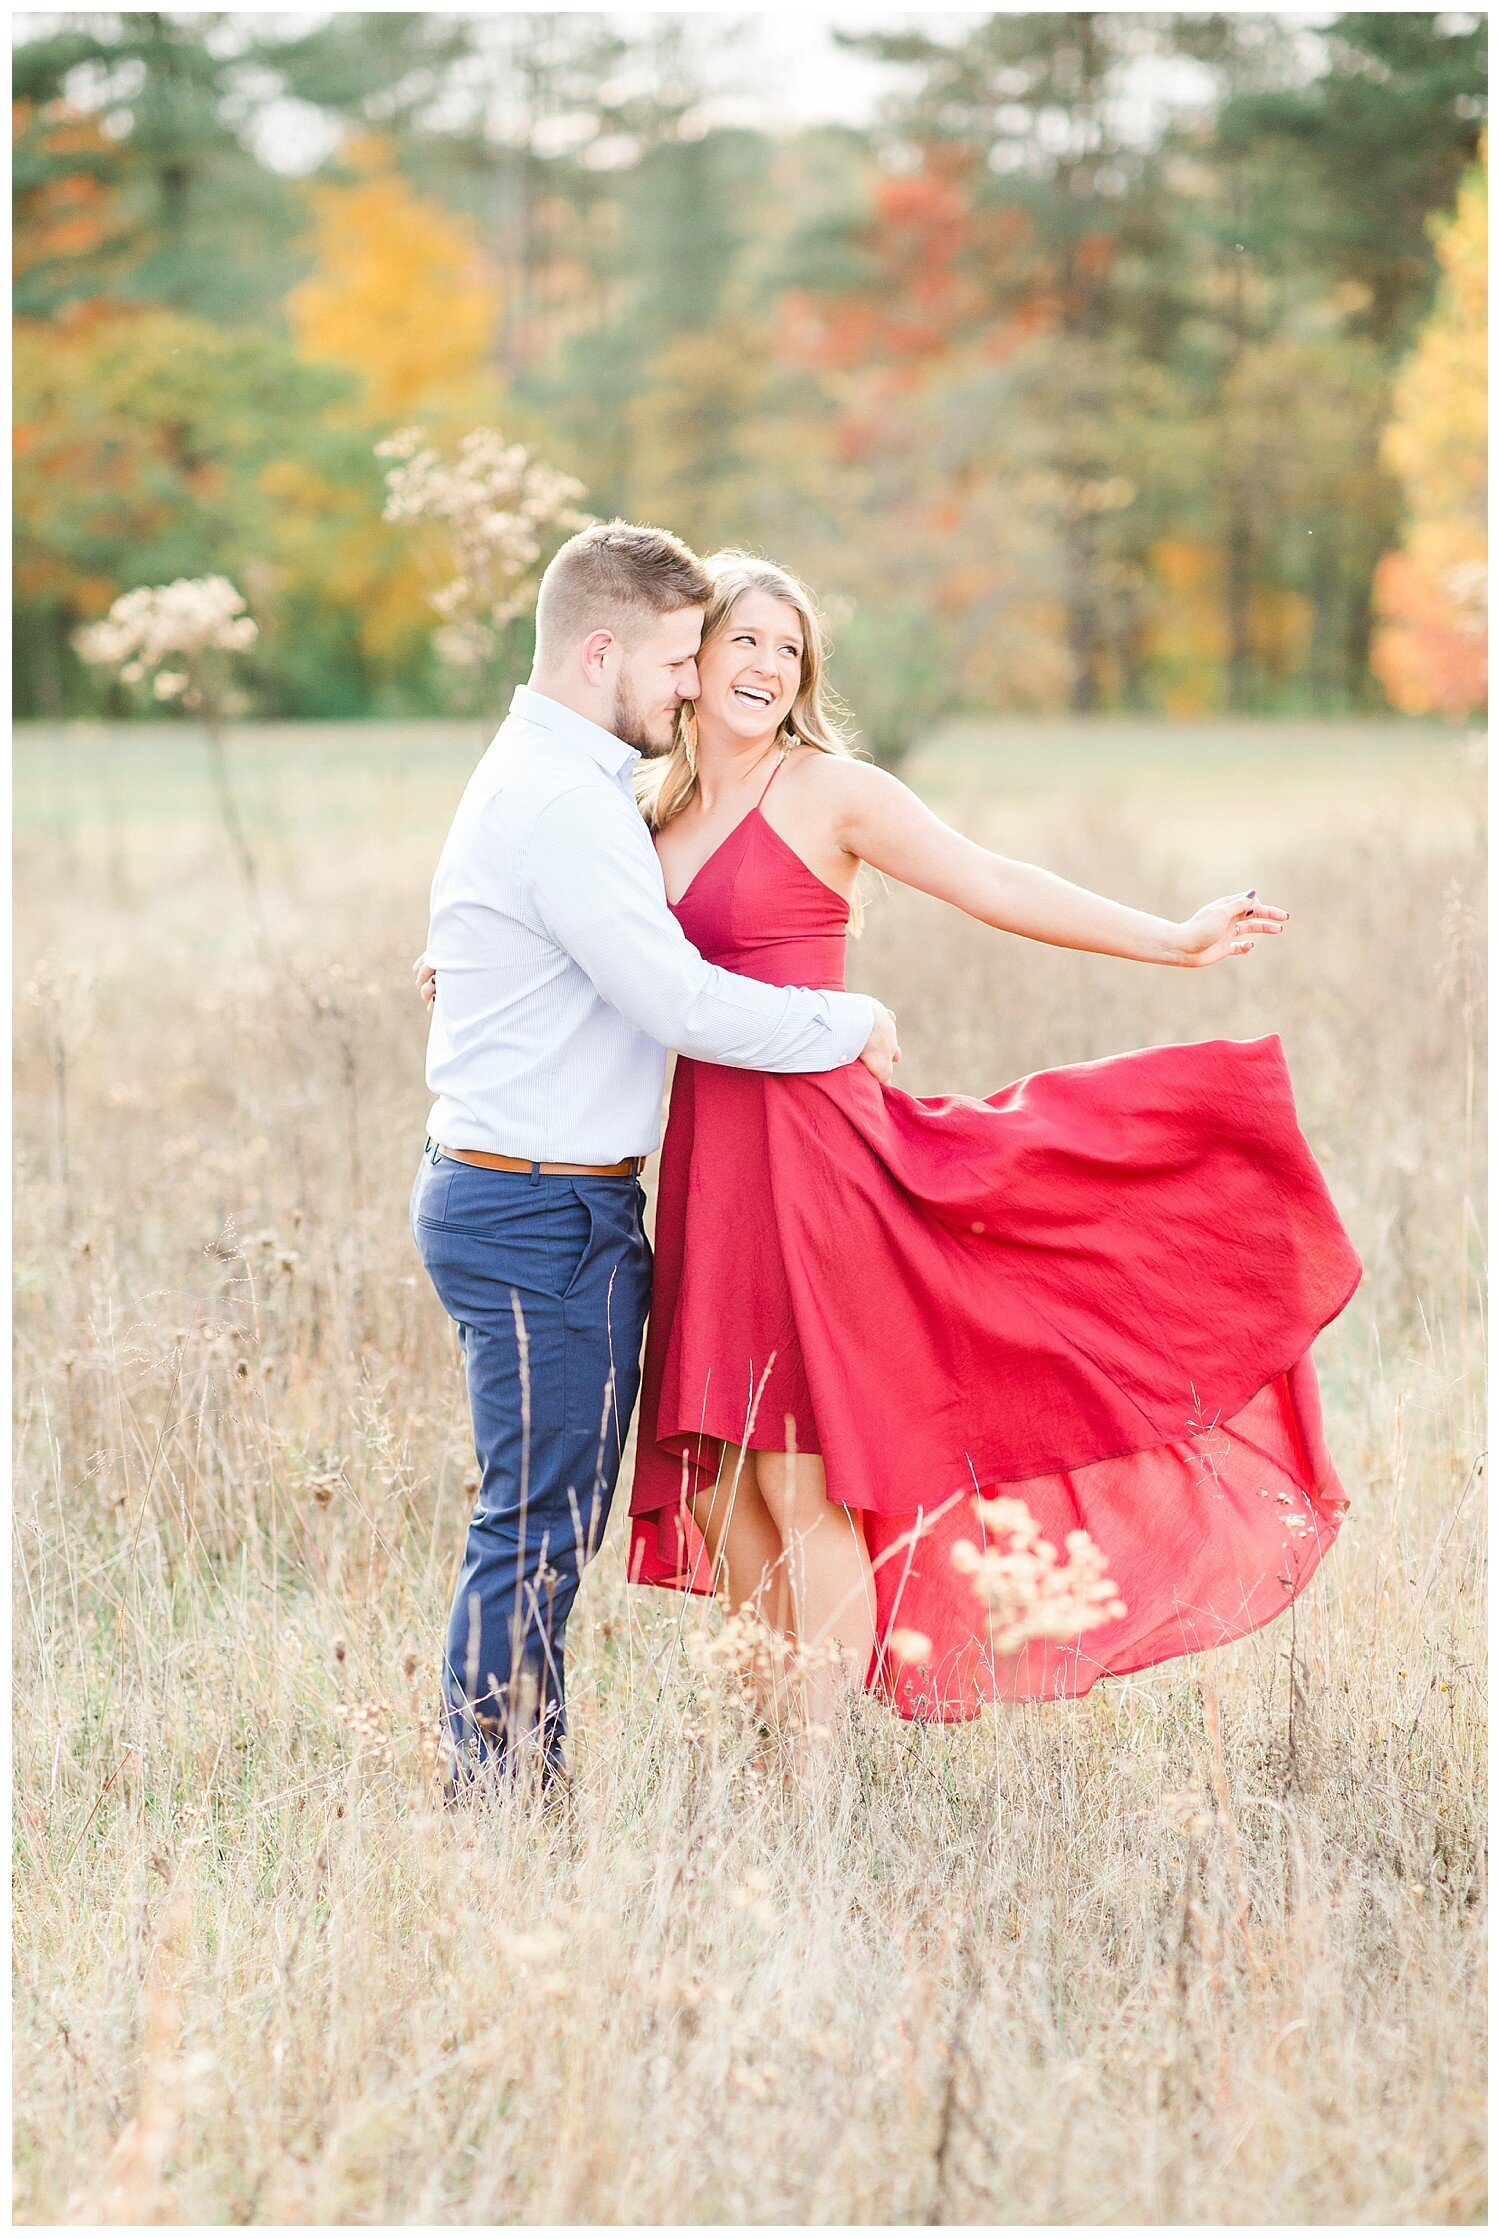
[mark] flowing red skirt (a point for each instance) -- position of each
(1096, 1290)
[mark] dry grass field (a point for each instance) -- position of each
(1205, 1947)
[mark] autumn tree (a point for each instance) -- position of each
(1430, 652)
(70, 234)
(1028, 221)
(152, 445)
(398, 294)
(211, 227)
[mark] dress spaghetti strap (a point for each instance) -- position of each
(776, 772)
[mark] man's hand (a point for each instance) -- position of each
(1224, 928)
(425, 976)
(882, 1052)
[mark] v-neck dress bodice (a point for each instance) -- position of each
(1095, 1290)
(801, 942)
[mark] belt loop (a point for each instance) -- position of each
(536, 1170)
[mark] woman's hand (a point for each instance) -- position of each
(425, 976)
(1225, 928)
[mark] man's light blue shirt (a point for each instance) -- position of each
(562, 976)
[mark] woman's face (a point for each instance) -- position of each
(750, 674)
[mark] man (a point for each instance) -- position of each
(561, 980)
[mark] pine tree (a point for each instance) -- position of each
(212, 229)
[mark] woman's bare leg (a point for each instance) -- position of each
(744, 1547)
(830, 1580)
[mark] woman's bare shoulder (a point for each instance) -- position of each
(836, 780)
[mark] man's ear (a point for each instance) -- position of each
(594, 654)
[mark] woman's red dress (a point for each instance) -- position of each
(1095, 1290)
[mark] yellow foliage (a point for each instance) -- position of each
(329, 548)
(1436, 440)
(1187, 636)
(1430, 652)
(398, 291)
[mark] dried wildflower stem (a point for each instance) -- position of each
(1208, 1694)
(176, 639)
(229, 810)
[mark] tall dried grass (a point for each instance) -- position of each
(1203, 1947)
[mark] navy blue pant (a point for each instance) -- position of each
(548, 1277)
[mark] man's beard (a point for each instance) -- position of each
(629, 725)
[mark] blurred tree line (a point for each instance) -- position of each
(1063, 394)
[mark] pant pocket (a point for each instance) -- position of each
(530, 1236)
(573, 1233)
(429, 1192)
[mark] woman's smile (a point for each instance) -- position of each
(751, 672)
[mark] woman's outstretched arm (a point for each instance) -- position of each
(883, 822)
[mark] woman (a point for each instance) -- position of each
(1093, 1292)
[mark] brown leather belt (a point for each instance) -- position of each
(499, 1164)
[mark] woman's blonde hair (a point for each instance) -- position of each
(817, 718)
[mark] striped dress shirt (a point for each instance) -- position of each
(563, 977)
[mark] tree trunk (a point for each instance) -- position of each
(1238, 584)
(1083, 625)
(1359, 684)
(46, 664)
(1323, 648)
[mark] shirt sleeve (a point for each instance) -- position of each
(597, 890)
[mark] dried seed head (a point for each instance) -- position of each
(910, 1647)
(1030, 1592)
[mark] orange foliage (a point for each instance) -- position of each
(397, 293)
(73, 214)
(923, 220)
(921, 231)
(1432, 654)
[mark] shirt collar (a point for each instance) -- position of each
(601, 746)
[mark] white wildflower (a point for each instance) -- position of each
(169, 632)
(1031, 1592)
(909, 1646)
(496, 507)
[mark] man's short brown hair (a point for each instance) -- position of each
(611, 576)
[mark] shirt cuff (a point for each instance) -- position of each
(852, 1018)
